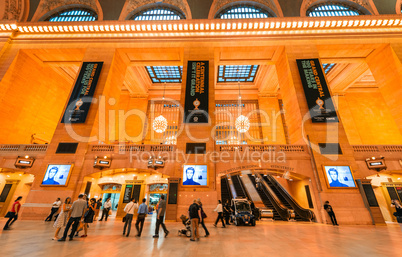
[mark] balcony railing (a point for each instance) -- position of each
(10, 149)
(387, 151)
(130, 148)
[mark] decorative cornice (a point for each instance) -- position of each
(13, 9)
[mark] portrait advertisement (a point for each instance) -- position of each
(339, 177)
(195, 175)
(57, 175)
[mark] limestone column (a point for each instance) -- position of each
(109, 85)
(348, 202)
(387, 71)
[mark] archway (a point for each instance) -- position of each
(13, 183)
(387, 186)
(121, 185)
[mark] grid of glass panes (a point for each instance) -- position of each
(162, 74)
(158, 14)
(328, 67)
(171, 111)
(332, 10)
(226, 113)
(76, 14)
(243, 12)
(234, 73)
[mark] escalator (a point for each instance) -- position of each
(239, 187)
(269, 203)
(225, 191)
(301, 214)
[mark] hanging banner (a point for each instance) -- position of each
(316, 91)
(196, 101)
(81, 97)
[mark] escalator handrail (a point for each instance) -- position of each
(279, 207)
(302, 212)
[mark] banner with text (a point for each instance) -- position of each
(316, 91)
(196, 101)
(84, 89)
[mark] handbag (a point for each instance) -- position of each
(203, 215)
(10, 214)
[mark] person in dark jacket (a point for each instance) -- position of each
(227, 211)
(331, 213)
(194, 212)
(203, 216)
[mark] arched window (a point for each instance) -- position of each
(243, 12)
(158, 14)
(332, 9)
(74, 14)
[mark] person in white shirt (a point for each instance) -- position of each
(55, 208)
(129, 209)
(219, 210)
(106, 208)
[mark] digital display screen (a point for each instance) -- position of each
(376, 163)
(56, 174)
(339, 176)
(195, 175)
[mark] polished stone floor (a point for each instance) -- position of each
(33, 238)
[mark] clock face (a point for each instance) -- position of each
(319, 102)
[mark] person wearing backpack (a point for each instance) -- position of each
(203, 216)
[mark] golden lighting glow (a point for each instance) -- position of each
(160, 124)
(242, 124)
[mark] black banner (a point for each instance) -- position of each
(196, 103)
(127, 193)
(81, 97)
(316, 91)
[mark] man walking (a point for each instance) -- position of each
(55, 208)
(129, 209)
(331, 213)
(142, 213)
(194, 213)
(106, 208)
(76, 213)
(159, 217)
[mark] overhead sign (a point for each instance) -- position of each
(316, 91)
(196, 102)
(24, 162)
(81, 97)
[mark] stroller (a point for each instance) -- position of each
(187, 223)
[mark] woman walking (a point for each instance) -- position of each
(219, 210)
(13, 213)
(61, 220)
(203, 216)
(89, 216)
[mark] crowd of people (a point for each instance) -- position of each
(82, 212)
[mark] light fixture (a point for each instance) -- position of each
(160, 123)
(242, 123)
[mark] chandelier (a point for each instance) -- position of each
(242, 123)
(160, 123)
